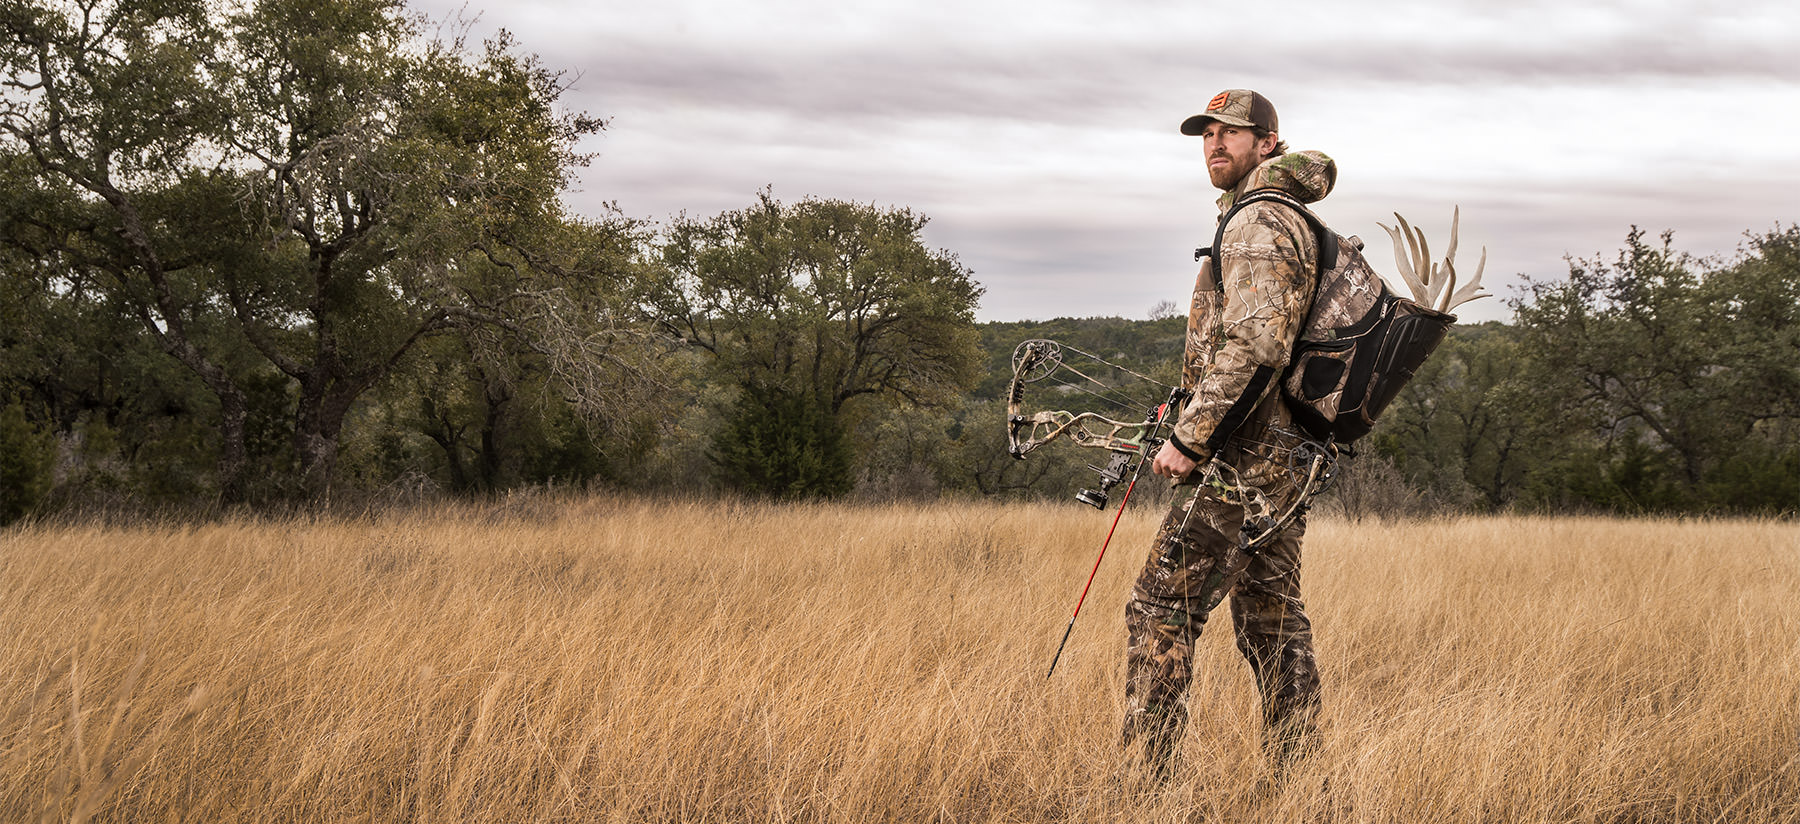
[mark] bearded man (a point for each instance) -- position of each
(1246, 313)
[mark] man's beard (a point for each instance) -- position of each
(1226, 177)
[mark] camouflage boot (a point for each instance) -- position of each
(1289, 741)
(1154, 734)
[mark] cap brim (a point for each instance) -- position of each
(1193, 126)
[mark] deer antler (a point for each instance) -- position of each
(1433, 285)
(1400, 260)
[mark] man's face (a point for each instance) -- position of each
(1232, 151)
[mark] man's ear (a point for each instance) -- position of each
(1267, 144)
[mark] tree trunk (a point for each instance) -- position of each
(234, 459)
(317, 425)
(494, 441)
(234, 407)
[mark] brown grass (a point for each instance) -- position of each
(613, 660)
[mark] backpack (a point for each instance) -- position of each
(1360, 343)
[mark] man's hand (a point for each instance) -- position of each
(1172, 463)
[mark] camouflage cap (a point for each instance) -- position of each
(1237, 107)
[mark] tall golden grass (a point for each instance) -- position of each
(621, 661)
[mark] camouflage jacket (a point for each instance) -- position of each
(1243, 322)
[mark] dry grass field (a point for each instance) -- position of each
(622, 661)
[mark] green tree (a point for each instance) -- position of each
(80, 362)
(105, 103)
(1661, 371)
(306, 190)
(782, 444)
(26, 453)
(816, 309)
(1758, 298)
(1462, 430)
(405, 192)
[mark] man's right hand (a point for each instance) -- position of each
(1172, 463)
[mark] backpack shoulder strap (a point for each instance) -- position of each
(1327, 239)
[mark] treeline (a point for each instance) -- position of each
(1654, 383)
(303, 254)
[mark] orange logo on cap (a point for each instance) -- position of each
(1218, 102)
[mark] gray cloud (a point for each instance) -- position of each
(1069, 82)
(1040, 138)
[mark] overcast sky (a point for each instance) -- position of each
(1041, 137)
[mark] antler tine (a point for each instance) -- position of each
(1421, 250)
(1445, 285)
(1402, 263)
(1471, 291)
(1434, 282)
(1455, 219)
(1448, 285)
(1445, 282)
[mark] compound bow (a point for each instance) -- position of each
(1129, 442)
(1310, 466)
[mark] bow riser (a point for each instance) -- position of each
(1109, 434)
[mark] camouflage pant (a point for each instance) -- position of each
(1181, 583)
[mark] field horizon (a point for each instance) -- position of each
(623, 660)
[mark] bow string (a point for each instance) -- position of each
(1099, 388)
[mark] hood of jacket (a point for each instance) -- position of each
(1307, 176)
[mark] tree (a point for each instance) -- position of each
(1668, 375)
(105, 103)
(808, 309)
(304, 191)
(783, 444)
(403, 196)
(1460, 428)
(25, 456)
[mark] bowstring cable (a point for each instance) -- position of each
(1097, 359)
(1113, 394)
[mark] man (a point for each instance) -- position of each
(1247, 310)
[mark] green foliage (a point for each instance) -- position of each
(287, 198)
(838, 299)
(823, 307)
(26, 456)
(1762, 475)
(1462, 429)
(783, 444)
(1666, 383)
(905, 454)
